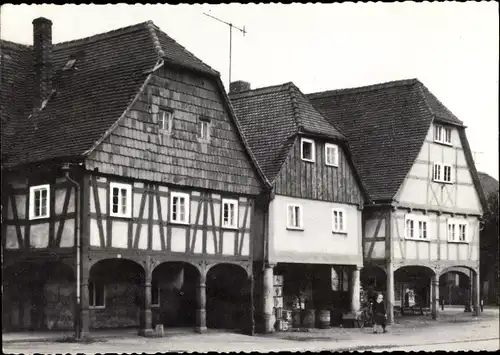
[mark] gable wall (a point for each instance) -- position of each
(419, 191)
(137, 149)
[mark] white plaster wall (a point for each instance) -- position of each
(316, 236)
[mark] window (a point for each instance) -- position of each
(69, 64)
(307, 150)
(457, 230)
(339, 225)
(165, 121)
(39, 201)
(155, 294)
(121, 200)
(442, 134)
(204, 128)
(442, 173)
(229, 213)
(179, 207)
(294, 219)
(331, 154)
(416, 227)
(97, 294)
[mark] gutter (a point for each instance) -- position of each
(78, 249)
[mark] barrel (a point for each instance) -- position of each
(309, 318)
(324, 319)
(296, 318)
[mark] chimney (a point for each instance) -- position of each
(239, 86)
(42, 46)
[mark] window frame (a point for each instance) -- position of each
(92, 298)
(33, 190)
(128, 189)
(344, 224)
(456, 224)
(202, 120)
(417, 221)
(313, 149)
(336, 154)
(167, 123)
(187, 206)
(444, 133)
(299, 219)
(233, 202)
(442, 175)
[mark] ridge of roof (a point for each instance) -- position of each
(101, 36)
(260, 91)
(156, 42)
(14, 45)
(366, 88)
(295, 105)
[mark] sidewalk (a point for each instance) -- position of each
(450, 319)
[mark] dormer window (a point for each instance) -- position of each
(442, 134)
(69, 64)
(204, 128)
(307, 149)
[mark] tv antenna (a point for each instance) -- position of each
(231, 26)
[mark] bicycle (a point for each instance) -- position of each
(365, 316)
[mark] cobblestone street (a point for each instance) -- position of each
(454, 331)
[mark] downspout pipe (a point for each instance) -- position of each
(66, 170)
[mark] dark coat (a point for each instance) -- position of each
(379, 313)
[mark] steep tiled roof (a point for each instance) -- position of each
(271, 117)
(385, 125)
(109, 71)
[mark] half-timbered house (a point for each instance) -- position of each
(423, 220)
(311, 253)
(128, 191)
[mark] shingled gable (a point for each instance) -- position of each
(272, 117)
(110, 72)
(386, 125)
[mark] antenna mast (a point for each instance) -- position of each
(231, 26)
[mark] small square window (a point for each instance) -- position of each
(39, 202)
(446, 173)
(416, 227)
(422, 229)
(121, 200)
(331, 154)
(229, 213)
(294, 217)
(339, 224)
(97, 294)
(442, 172)
(165, 121)
(179, 207)
(307, 149)
(457, 230)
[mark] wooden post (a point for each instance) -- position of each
(355, 290)
(267, 294)
(201, 304)
(84, 302)
(147, 315)
(435, 297)
(477, 294)
(390, 293)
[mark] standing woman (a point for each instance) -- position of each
(379, 313)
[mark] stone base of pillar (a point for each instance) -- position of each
(146, 332)
(269, 321)
(477, 311)
(200, 330)
(435, 316)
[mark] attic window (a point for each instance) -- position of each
(307, 150)
(69, 65)
(165, 121)
(204, 128)
(442, 134)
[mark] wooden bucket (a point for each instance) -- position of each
(324, 319)
(309, 318)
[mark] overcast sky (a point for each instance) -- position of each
(451, 47)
